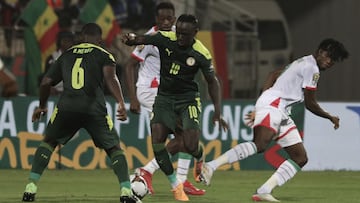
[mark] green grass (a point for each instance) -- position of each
(227, 187)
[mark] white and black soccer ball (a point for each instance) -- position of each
(138, 186)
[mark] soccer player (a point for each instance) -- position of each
(181, 57)
(83, 68)
(297, 83)
(147, 57)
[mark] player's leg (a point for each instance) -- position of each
(289, 138)
(105, 137)
(146, 97)
(57, 131)
(149, 169)
(264, 131)
(163, 123)
(159, 133)
(262, 138)
(176, 146)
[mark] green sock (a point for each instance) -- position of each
(120, 168)
(41, 160)
(163, 159)
(173, 180)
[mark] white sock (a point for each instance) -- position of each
(183, 166)
(239, 152)
(152, 166)
(285, 172)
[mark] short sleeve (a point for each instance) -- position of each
(141, 52)
(55, 72)
(311, 77)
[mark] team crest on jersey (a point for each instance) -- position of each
(190, 61)
(140, 47)
(315, 78)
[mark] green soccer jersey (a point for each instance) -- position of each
(178, 65)
(81, 70)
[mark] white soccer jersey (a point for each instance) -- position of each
(288, 88)
(149, 59)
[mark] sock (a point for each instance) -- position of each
(285, 172)
(120, 168)
(152, 166)
(173, 180)
(163, 159)
(239, 152)
(184, 161)
(41, 160)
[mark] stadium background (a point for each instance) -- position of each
(309, 22)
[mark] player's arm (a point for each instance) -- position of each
(312, 105)
(131, 39)
(113, 84)
(215, 95)
(51, 78)
(156, 38)
(44, 94)
(130, 68)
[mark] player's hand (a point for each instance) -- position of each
(121, 112)
(336, 121)
(250, 118)
(135, 106)
(38, 112)
(223, 125)
(125, 38)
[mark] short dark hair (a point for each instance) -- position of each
(64, 35)
(91, 29)
(164, 5)
(188, 18)
(335, 49)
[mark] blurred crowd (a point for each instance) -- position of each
(132, 15)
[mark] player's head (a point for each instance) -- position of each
(91, 33)
(65, 39)
(186, 29)
(165, 16)
(329, 52)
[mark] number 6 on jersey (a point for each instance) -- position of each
(77, 75)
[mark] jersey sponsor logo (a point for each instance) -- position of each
(168, 51)
(315, 78)
(190, 61)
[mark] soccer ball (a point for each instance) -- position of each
(138, 186)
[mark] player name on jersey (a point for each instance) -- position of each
(82, 51)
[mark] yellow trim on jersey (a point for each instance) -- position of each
(169, 34)
(89, 45)
(53, 115)
(198, 46)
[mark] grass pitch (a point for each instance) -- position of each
(227, 187)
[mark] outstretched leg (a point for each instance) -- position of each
(41, 160)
